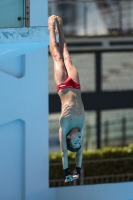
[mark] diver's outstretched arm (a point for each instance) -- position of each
(64, 154)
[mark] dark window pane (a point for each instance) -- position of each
(117, 71)
(117, 127)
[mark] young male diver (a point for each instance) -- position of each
(72, 116)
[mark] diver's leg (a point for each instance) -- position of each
(60, 73)
(71, 70)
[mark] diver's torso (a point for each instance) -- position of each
(72, 112)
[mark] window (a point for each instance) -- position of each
(12, 13)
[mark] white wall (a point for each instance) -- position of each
(38, 12)
(117, 191)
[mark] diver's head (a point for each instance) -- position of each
(74, 140)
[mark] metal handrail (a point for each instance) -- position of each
(108, 176)
(96, 161)
(82, 178)
(85, 29)
(82, 1)
(71, 2)
(95, 178)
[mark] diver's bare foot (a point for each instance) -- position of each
(59, 29)
(59, 20)
(51, 22)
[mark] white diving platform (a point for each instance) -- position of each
(18, 41)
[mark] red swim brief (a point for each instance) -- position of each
(68, 83)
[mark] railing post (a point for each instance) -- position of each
(82, 175)
(98, 130)
(106, 133)
(98, 68)
(85, 19)
(87, 137)
(120, 18)
(123, 131)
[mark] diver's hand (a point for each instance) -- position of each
(69, 178)
(76, 176)
(76, 173)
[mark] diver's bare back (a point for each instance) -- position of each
(72, 114)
